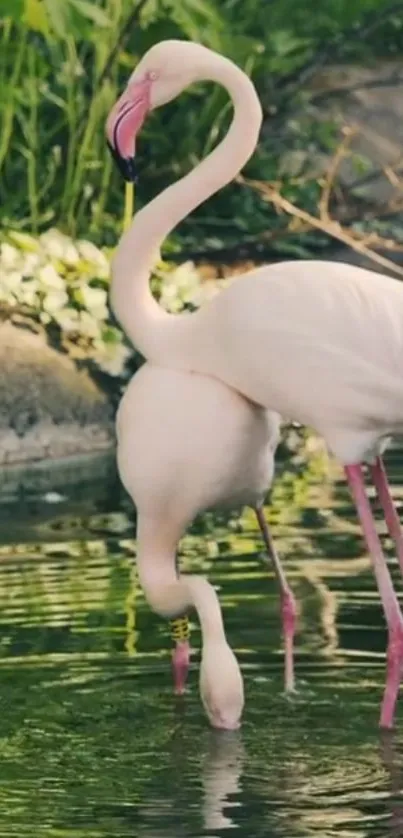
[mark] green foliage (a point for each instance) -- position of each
(63, 63)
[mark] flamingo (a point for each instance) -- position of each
(187, 443)
(319, 342)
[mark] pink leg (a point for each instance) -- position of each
(393, 616)
(180, 654)
(381, 484)
(288, 607)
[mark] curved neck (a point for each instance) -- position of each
(167, 593)
(158, 335)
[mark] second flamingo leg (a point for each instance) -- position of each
(379, 476)
(180, 633)
(393, 615)
(181, 653)
(288, 607)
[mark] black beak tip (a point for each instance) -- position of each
(127, 166)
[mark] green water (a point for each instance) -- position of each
(93, 744)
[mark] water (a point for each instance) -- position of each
(92, 742)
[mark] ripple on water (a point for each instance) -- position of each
(92, 742)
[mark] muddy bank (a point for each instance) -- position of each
(49, 408)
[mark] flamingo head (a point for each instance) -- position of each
(163, 72)
(124, 123)
(221, 686)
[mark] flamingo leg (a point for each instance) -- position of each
(379, 477)
(180, 633)
(181, 653)
(288, 606)
(393, 615)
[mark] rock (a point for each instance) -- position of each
(370, 99)
(342, 253)
(84, 481)
(48, 408)
(91, 492)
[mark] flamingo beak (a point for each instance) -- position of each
(124, 123)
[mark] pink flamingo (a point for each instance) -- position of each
(319, 342)
(186, 443)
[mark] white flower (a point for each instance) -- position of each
(7, 296)
(89, 326)
(94, 299)
(9, 255)
(111, 357)
(11, 281)
(185, 277)
(96, 257)
(49, 277)
(28, 293)
(68, 319)
(55, 300)
(176, 286)
(206, 291)
(30, 264)
(59, 246)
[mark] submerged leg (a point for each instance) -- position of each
(381, 484)
(180, 633)
(181, 653)
(393, 615)
(288, 607)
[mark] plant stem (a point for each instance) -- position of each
(32, 140)
(10, 86)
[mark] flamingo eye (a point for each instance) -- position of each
(152, 75)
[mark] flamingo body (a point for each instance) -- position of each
(318, 342)
(187, 443)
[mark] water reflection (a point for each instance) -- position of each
(221, 779)
(92, 742)
(391, 752)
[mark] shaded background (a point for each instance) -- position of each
(330, 79)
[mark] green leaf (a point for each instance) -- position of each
(91, 12)
(59, 16)
(12, 8)
(150, 12)
(111, 335)
(284, 42)
(205, 10)
(35, 16)
(24, 241)
(193, 15)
